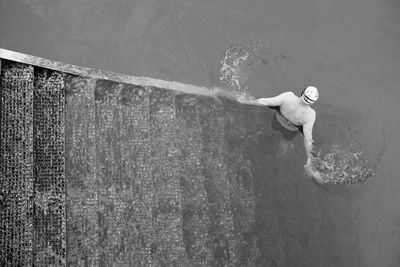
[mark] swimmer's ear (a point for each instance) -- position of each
(302, 92)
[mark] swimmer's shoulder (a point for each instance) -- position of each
(311, 114)
(288, 96)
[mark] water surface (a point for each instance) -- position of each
(349, 50)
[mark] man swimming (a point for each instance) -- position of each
(294, 114)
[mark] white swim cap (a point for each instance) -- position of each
(310, 94)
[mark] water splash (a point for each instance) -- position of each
(241, 59)
(342, 165)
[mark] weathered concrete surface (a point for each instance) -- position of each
(32, 165)
(16, 178)
(155, 177)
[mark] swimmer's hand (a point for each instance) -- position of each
(314, 150)
(243, 99)
(246, 99)
(316, 175)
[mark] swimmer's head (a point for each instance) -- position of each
(309, 95)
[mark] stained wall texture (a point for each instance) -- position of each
(96, 172)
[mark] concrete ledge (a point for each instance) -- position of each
(101, 74)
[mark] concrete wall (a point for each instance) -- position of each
(101, 169)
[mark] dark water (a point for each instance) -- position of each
(348, 49)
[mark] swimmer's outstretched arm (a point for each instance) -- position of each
(269, 101)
